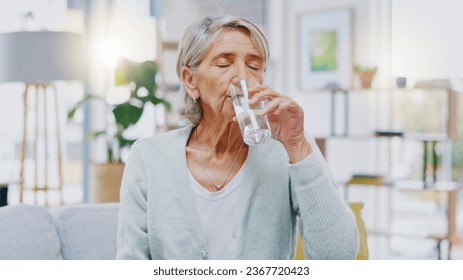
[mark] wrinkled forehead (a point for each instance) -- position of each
(231, 40)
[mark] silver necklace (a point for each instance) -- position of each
(217, 186)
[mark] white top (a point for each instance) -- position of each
(216, 211)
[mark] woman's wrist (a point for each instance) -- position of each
(298, 151)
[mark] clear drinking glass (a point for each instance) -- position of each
(254, 128)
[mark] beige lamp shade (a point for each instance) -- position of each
(41, 56)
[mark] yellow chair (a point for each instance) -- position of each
(362, 254)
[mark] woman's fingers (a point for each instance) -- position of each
(271, 107)
(277, 103)
(260, 93)
(286, 105)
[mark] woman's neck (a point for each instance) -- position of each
(218, 136)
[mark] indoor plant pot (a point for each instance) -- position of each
(366, 78)
(106, 181)
(365, 74)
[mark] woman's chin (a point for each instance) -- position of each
(229, 111)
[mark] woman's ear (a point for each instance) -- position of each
(188, 81)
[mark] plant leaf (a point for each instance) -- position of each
(127, 114)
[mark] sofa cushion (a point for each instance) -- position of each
(88, 231)
(27, 233)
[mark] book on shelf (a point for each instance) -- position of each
(389, 133)
(366, 179)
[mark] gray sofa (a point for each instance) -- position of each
(81, 232)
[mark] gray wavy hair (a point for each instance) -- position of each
(194, 45)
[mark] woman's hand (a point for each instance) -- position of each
(286, 119)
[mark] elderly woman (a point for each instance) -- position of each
(199, 192)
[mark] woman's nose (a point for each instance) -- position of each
(241, 72)
(236, 79)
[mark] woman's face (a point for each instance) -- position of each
(231, 57)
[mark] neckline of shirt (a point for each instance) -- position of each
(229, 188)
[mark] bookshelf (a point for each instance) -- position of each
(380, 176)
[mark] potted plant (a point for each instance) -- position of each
(366, 74)
(140, 78)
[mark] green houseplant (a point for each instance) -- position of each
(140, 78)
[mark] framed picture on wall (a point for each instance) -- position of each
(325, 49)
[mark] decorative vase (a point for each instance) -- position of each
(106, 183)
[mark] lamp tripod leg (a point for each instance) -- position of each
(58, 139)
(36, 143)
(46, 143)
(23, 145)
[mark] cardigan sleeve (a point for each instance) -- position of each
(132, 238)
(327, 225)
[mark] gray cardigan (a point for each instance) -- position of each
(158, 217)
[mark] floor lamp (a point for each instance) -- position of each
(38, 59)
